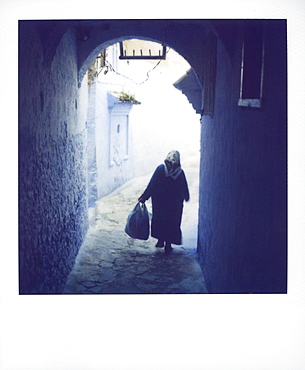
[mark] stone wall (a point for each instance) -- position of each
(242, 222)
(91, 148)
(53, 215)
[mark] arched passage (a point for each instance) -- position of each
(171, 34)
(105, 236)
(94, 53)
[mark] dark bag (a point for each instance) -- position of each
(137, 225)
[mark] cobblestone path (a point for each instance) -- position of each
(110, 262)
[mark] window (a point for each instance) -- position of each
(140, 49)
(252, 67)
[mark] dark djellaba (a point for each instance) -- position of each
(168, 190)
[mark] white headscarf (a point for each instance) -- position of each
(172, 164)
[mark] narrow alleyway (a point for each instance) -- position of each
(110, 262)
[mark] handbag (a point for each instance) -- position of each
(137, 225)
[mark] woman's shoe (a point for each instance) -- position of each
(160, 244)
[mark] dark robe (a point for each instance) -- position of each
(167, 197)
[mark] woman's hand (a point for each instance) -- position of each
(141, 200)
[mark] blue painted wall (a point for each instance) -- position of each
(242, 222)
(52, 165)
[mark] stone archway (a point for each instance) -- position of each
(94, 36)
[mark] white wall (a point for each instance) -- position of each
(164, 120)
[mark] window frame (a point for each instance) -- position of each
(257, 101)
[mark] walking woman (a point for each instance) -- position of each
(168, 190)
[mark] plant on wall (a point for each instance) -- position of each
(127, 98)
